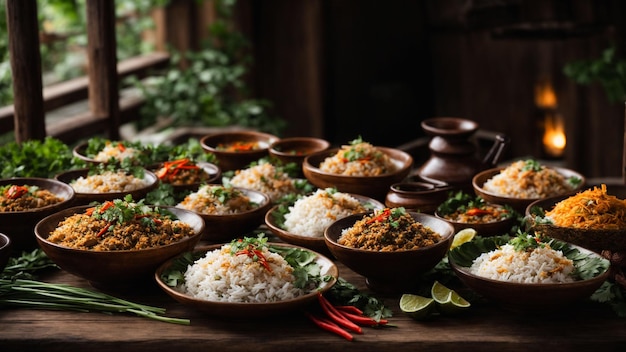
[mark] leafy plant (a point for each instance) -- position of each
(35, 158)
(608, 70)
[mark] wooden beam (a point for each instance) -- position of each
(101, 54)
(23, 29)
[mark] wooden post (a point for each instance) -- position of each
(23, 29)
(101, 53)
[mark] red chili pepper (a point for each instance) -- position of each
(363, 320)
(255, 252)
(15, 191)
(350, 309)
(477, 212)
(104, 229)
(382, 216)
(329, 326)
(336, 316)
(121, 146)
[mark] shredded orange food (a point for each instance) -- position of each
(590, 209)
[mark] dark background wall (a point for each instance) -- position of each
(342, 68)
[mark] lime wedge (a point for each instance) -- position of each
(440, 293)
(463, 236)
(456, 304)
(417, 307)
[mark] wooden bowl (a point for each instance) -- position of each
(390, 272)
(114, 268)
(519, 204)
(371, 186)
(295, 149)
(235, 160)
(213, 176)
(5, 250)
(500, 227)
(86, 198)
(317, 244)
(234, 310)
(524, 297)
(20, 225)
(223, 228)
(592, 239)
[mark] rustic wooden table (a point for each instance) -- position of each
(585, 326)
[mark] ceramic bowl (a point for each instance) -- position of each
(416, 196)
(526, 297)
(81, 198)
(113, 268)
(371, 186)
(499, 227)
(318, 244)
(595, 240)
(519, 204)
(213, 174)
(247, 310)
(225, 227)
(5, 250)
(295, 149)
(390, 272)
(20, 225)
(229, 160)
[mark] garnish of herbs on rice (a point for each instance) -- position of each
(359, 158)
(465, 208)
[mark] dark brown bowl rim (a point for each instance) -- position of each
(407, 163)
(318, 143)
(415, 215)
(25, 180)
(74, 210)
(496, 170)
(238, 135)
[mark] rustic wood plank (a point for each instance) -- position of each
(23, 29)
(101, 53)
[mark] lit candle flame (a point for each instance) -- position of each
(554, 140)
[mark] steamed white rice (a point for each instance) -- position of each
(541, 265)
(108, 182)
(311, 215)
(220, 276)
(265, 178)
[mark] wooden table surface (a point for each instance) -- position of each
(584, 326)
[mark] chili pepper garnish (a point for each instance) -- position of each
(252, 248)
(172, 168)
(477, 212)
(15, 191)
(382, 216)
(239, 146)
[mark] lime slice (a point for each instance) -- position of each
(440, 293)
(463, 236)
(456, 304)
(417, 307)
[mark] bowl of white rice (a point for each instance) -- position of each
(108, 184)
(221, 281)
(229, 212)
(525, 181)
(550, 274)
(329, 169)
(303, 222)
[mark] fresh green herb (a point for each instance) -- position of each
(355, 152)
(460, 201)
(164, 194)
(574, 181)
(35, 158)
(224, 194)
(306, 271)
(25, 265)
(525, 241)
(345, 293)
(532, 165)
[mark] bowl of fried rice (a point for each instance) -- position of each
(115, 243)
(246, 278)
(101, 184)
(358, 168)
(229, 212)
(390, 247)
(528, 272)
(235, 150)
(525, 181)
(26, 200)
(303, 222)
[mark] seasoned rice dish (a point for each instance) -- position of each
(108, 182)
(266, 178)
(311, 215)
(217, 200)
(25, 197)
(537, 265)
(528, 179)
(230, 274)
(359, 158)
(116, 151)
(120, 225)
(388, 230)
